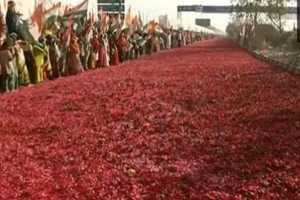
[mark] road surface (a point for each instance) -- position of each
(207, 121)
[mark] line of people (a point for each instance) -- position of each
(70, 51)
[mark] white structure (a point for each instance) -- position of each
(164, 21)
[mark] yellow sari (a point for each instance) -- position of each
(39, 53)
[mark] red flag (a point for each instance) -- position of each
(38, 16)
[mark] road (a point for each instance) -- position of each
(207, 121)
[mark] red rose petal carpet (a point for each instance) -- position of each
(207, 121)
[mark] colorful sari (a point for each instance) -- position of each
(94, 53)
(21, 65)
(114, 54)
(103, 60)
(39, 53)
(54, 55)
(9, 70)
(74, 65)
(30, 62)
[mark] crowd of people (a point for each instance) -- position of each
(76, 45)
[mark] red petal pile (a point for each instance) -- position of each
(203, 122)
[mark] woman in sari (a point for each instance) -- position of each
(8, 62)
(54, 55)
(103, 60)
(21, 64)
(155, 43)
(114, 54)
(30, 62)
(123, 46)
(74, 65)
(13, 78)
(6, 68)
(94, 51)
(39, 52)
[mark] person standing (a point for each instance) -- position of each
(12, 18)
(114, 54)
(54, 55)
(103, 60)
(14, 75)
(106, 50)
(30, 62)
(23, 74)
(148, 44)
(85, 51)
(73, 64)
(6, 68)
(2, 28)
(40, 53)
(123, 46)
(155, 43)
(184, 38)
(180, 39)
(169, 40)
(174, 39)
(94, 51)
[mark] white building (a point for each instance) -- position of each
(164, 21)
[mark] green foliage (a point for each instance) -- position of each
(251, 13)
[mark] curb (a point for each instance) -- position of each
(286, 67)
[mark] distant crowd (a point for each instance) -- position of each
(72, 47)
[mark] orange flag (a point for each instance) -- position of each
(38, 16)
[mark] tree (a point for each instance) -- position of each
(276, 10)
(233, 30)
(247, 14)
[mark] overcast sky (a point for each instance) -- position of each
(151, 9)
(154, 8)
